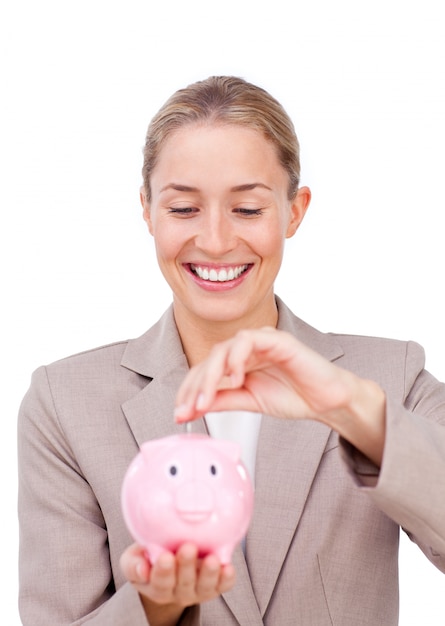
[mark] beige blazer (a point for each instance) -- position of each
(322, 546)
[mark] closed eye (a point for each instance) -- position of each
(188, 210)
(248, 212)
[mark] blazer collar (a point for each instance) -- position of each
(159, 351)
(287, 460)
(323, 343)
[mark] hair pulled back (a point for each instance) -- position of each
(224, 100)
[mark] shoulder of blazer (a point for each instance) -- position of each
(393, 363)
(151, 355)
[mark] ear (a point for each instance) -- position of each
(299, 207)
(146, 213)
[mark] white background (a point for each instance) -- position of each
(364, 84)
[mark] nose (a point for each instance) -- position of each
(216, 234)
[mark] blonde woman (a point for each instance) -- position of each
(358, 453)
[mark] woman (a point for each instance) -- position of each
(359, 453)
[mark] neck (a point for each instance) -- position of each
(199, 335)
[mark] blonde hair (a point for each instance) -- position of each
(225, 100)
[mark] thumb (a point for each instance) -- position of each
(134, 564)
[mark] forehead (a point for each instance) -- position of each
(217, 150)
(201, 133)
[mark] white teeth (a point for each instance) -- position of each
(222, 276)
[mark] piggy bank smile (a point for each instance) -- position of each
(194, 502)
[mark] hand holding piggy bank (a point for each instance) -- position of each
(188, 488)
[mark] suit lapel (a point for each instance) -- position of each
(150, 413)
(287, 461)
(288, 457)
(241, 599)
(158, 358)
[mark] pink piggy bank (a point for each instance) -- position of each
(188, 488)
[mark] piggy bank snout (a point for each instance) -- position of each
(194, 501)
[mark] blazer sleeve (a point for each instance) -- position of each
(65, 572)
(410, 485)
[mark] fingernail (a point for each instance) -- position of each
(200, 402)
(140, 570)
(180, 413)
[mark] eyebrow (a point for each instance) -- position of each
(186, 188)
(178, 187)
(250, 186)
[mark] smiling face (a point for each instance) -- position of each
(219, 213)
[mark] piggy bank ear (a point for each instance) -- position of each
(230, 449)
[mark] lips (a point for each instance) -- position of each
(222, 275)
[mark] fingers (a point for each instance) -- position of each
(162, 580)
(135, 565)
(182, 579)
(200, 580)
(186, 559)
(262, 370)
(225, 369)
(197, 394)
(214, 579)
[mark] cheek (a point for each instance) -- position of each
(170, 242)
(165, 249)
(270, 242)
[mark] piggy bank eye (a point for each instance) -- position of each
(173, 468)
(213, 470)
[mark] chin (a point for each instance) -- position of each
(220, 313)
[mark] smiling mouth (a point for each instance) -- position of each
(222, 275)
